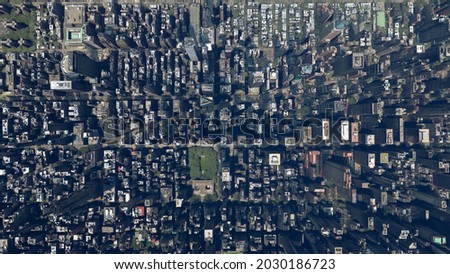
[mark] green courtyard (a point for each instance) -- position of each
(203, 163)
(28, 32)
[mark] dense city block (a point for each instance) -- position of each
(224, 126)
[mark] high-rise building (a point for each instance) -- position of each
(191, 49)
(195, 11)
(364, 158)
(424, 135)
(76, 63)
(354, 132)
(340, 176)
(345, 131)
(326, 130)
(397, 124)
(384, 136)
(108, 39)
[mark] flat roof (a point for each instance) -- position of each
(381, 19)
(60, 85)
(203, 187)
(74, 35)
(74, 14)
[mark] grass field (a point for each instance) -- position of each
(203, 163)
(27, 33)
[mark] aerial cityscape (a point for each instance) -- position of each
(223, 127)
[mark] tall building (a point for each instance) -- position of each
(326, 135)
(358, 60)
(340, 176)
(191, 49)
(331, 31)
(433, 30)
(364, 158)
(424, 135)
(397, 124)
(345, 131)
(355, 132)
(384, 136)
(107, 39)
(76, 63)
(195, 11)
